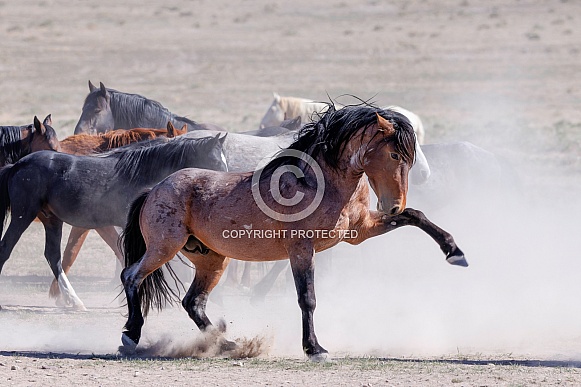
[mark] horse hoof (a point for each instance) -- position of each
(319, 357)
(227, 346)
(80, 308)
(457, 258)
(129, 345)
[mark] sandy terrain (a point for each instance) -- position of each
(501, 74)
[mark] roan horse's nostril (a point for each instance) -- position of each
(394, 210)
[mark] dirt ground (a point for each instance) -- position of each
(501, 74)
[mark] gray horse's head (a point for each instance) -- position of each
(96, 116)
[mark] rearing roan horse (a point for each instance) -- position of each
(209, 216)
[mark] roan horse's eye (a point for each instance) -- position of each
(395, 156)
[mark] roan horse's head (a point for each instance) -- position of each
(387, 162)
(96, 116)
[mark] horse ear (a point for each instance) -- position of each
(171, 130)
(47, 120)
(384, 125)
(184, 129)
(91, 87)
(104, 91)
(276, 97)
(221, 139)
(38, 126)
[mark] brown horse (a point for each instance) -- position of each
(19, 141)
(274, 215)
(86, 144)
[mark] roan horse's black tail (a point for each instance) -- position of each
(154, 291)
(5, 175)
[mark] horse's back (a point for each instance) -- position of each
(243, 152)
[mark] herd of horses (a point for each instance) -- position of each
(177, 191)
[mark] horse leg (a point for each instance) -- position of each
(53, 228)
(111, 237)
(232, 274)
(262, 288)
(245, 280)
(380, 224)
(301, 255)
(133, 278)
(76, 239)
(18, 224)
(209, 269)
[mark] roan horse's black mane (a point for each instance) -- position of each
(134, 110)
(328, 136)
(136, 161)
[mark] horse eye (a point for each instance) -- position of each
(394, 156)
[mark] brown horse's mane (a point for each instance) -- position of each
(328, 136)
(84, 144)
(121, 137)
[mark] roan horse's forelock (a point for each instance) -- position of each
(328, 136)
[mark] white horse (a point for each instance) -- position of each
(283, 108)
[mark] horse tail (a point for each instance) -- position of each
(5, 175)
(154, 291)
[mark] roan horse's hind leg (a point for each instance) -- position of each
(209, 270)
(53, 228)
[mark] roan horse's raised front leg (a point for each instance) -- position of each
(380, 224)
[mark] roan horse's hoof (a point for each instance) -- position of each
(129, 345)
(457, 258)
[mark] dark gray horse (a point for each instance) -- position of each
(90, 191)
(108, 109)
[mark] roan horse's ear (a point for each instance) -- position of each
(384, 125)
(91, 87)
(47, 120)
(38, 126)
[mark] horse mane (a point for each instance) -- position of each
(11, 145)
(130, 110)
(121, 137)
(328, 136)
(138, 160)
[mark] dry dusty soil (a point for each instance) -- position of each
(504, 75)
